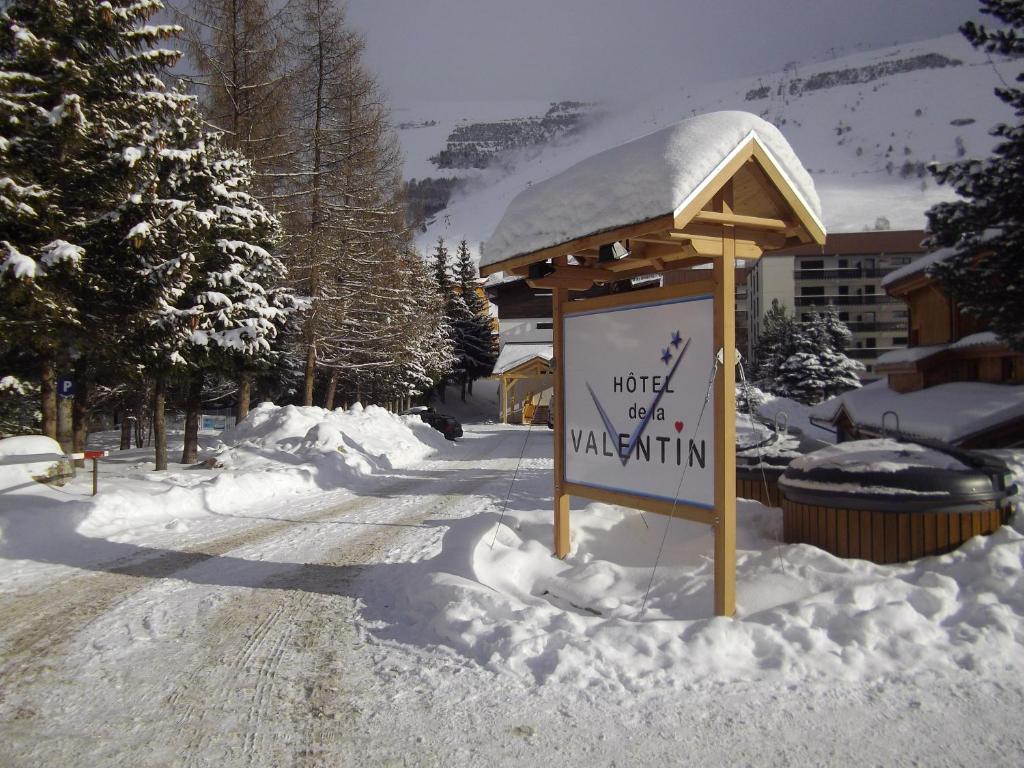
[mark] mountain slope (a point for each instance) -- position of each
(865, 126)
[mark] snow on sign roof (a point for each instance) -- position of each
(644, 179)
(947, 412)
(514, 355)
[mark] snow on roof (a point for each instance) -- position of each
(652, 176)
(513, 355)
(976, 340)
(909, 355)
(917, 265)
(913, 354)
(947, 412)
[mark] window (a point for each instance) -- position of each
(899, 341)
(844, 316)
(843, 263)
(844, 290)
(811, 291)
(812, 264)
(543, 326)
(871, 342)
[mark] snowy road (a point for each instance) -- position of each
(262, 639)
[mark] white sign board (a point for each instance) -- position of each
(635, 382)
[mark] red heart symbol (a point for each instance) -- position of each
(679, 426)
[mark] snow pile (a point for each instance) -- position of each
(802, 613)
(653, 176)
(27, 457)
(368, 438)
(276, 453)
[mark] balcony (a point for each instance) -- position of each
(867, 326)
(845, 273)
(867, 353)
(845, 301)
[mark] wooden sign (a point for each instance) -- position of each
(632, 370)
(636, 381)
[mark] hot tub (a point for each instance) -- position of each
(889, 501)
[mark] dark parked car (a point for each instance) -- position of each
(447, 425)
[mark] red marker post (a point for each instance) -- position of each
(95, 456)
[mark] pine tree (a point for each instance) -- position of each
(831, 338)
(815, 366)
(986, 225)
(774, 345)
(802, 375)
(79, 93)
(475, 345)
(449, 312)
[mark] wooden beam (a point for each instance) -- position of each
(685, 215)
(762, 238)
(724, 276)
(811, 229)
(559, 298)
(580, 244)
(679, 509)
(551, 282)
(712, 246)
(737, 220)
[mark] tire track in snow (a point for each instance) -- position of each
(317, 628)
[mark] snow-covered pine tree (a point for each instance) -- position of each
(802, 375)
(234, 303)
(78, 97)
(445, 288)
(774, 345)
(835, 330)
(475, 346)
(832, 337)
(985, 225)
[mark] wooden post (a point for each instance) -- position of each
(558, 298)
(95, 475)
(724, 274)
(503, 393)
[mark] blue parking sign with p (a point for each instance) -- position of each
(66, 388)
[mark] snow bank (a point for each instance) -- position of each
(27, 457)
(371, 437)
(275, 453)
(802, 613)
(645, 178)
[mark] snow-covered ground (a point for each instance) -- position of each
(379, 614)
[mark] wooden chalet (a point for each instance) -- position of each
(953, 367)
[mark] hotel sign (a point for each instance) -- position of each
(635, 382)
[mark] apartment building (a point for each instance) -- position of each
(846, 273)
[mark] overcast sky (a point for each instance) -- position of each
(550, 49)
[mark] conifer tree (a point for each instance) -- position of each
(79, 93)
(774, 345)
(985, 226)
(801, 376)
(474, 332)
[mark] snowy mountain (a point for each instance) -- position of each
(865, 126)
